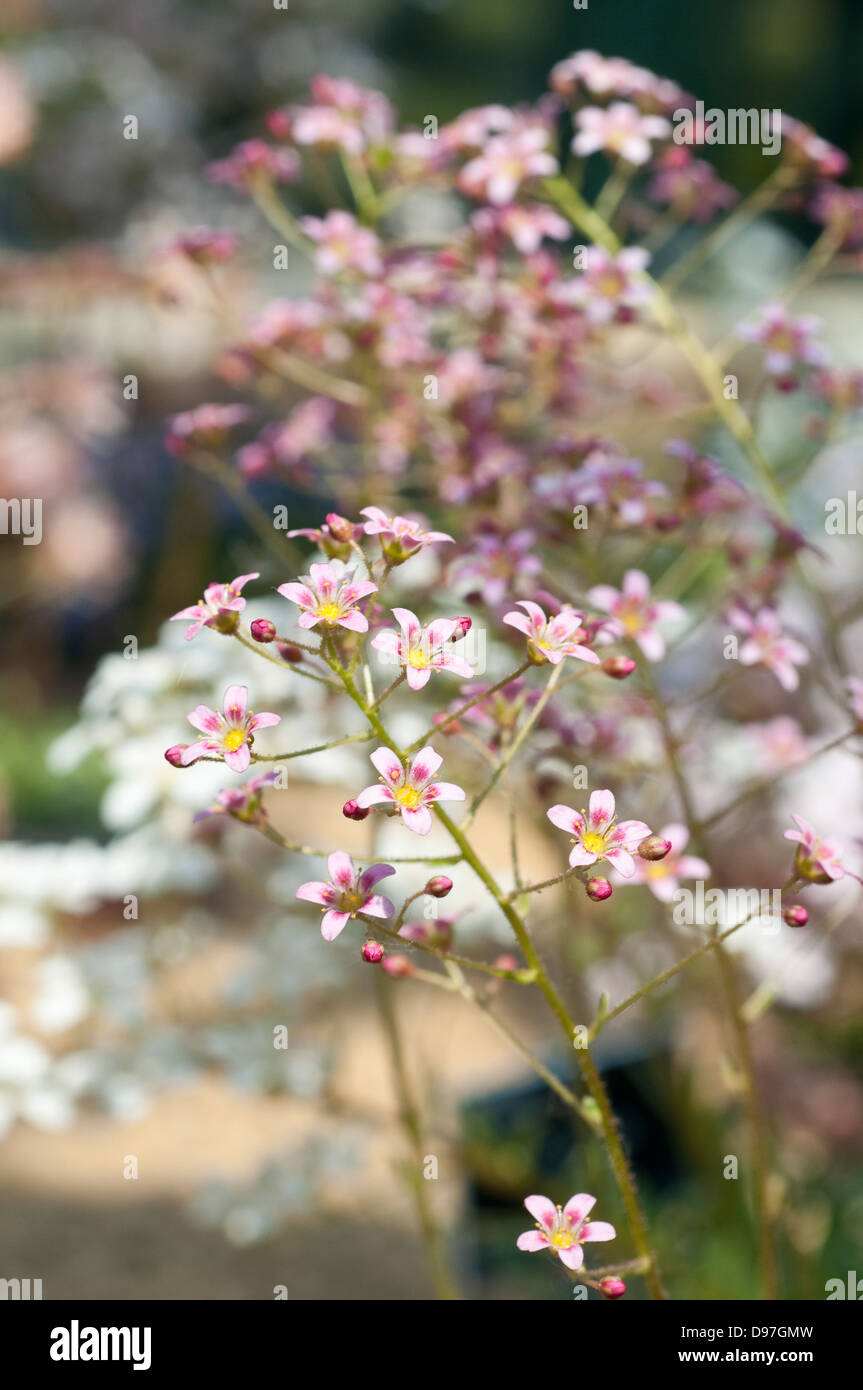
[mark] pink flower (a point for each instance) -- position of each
(401, 536)
(634, 614)
(252, 159)
(767, 645)
(661, 875)
(690, 186)
(564, 1230)
(598, 836)
(328, 594)
(228, 735)
(348, 892)
(620, 130)
(506, 162)
(343, 244)
(410, 790)
(205, 427)
(421, 650)
(787, 341)
(243, 803)
(551, 639)
(219, 608)
(816, 858)
(525, 225)
(494, 563)
(608, 284)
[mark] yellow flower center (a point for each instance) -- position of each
(631, 622)
(409, 797)
(562, 1240)
(330, 612)
(234, 740)
(417, 658)
(593, 841)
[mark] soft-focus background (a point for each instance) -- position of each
(247, 1168)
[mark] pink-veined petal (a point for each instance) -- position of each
(447, 791)
(373, 874)
(573, 1258)
(354, 621)
(579, 856)
(520, 621)
(532, 1241)
(542, 1209)
(340, 868)
(206, 720)
(236, 703)
(332, 923)
(316, 891)
(265, 720)
(600, 809)
(388, 765)
(424, 766)
(373, 796)
(417, 676)
(578, 1207)
(378, 906)
(598, 1230)
(566, 819)
(237, 759)
(622, 861)
(418, 820)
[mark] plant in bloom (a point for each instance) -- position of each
(598, 835)
(817, 860)
(342, 244)
(508, 161)
(788, 342)
(227, 733)
(551, 639)
(401, 536)
(421, 650)
(634, 614)
(348, 892)
(410, 790)
(564, 1230)
(620, 129)
(220, 607)
(608, 285)
(329, 594)
(662, 876)
(767, 644)
(243, 803)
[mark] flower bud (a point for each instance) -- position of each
(398, 966)
(612, 1287)
(439, 886)
(340, 528)
(795, 915)
(373, 952)
(353, 811)
(263, 630)
(174, 754)
(654, 847)
(463, 627)
(506, 963)
(618, 667)
(598, 889)
(288, 652)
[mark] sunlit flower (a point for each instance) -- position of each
(661, 875)
(229, 734)
(506, 162)
(220, 607)
(551, 639)
(598, 835)
(401, 536)
(563, 1230)
(348, 892)
(620, 129)
(422, 650)
(328, 594)
(411, 791)
(768, 645)
(634, 614)
(342, 244)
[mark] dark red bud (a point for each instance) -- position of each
(618, 667)
(354, 811)
(174, 754)
(288, 652)
(598, 889)
(263, 630)
(373, 952)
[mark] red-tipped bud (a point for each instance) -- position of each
(174, 754)
(654, 847)
(618, 667)
(399, 966)
(439, 886)
(506, 963)
(353, 811)
(373, 952)
(795, 915)
(463, 627)
(612, 1287)
(263, 630)
(340, 528)
(598, 889)
(288, 652)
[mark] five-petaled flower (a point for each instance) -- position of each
(506, 162)
(563, 1230)
(229, 734)
(328, 594)
(421, 650)
(619, 129)
(634, 614)
(608, 286)
(349, 891)
(817, 860)
(551, 639)
(767, 645)
(597, 835)
(409, 790)
(220, 607)
(401, 536)
(788, 342)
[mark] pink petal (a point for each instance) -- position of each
(340, 867)
(600, 810)
(264, 720)
(605, 598)
(440, 631)
(532, 1241)
(578, 856)
(573, 1258)
(332, 923)
(424, 766)
(407, 621)
(207, 720)
(447, 791)
(315, 891)
(566, 819)
(373, 874)
(598, 1230)
(235, 704)
(542, 1209)
(354, 621)
(520, 621)
(417, 677)
(372, 796)
(388, 765)
(622, 861)
(579, 1207)
(387, 641)
(377, 906)
(297, 593)
(419, 821)
(238, 759)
